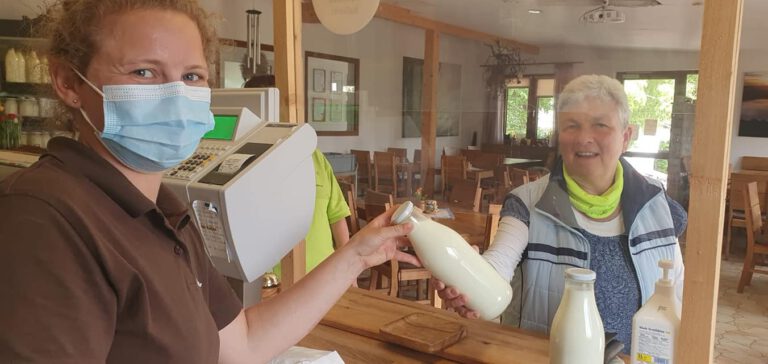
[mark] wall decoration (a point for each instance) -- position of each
(337, 82)
(332, 93)
(754, 105)
(230, 69)
(448, 98)
(318, 109)
(336, 111)
(318, 80)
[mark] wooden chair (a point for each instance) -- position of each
(452, 168)
(401, 153)
(518, 177)
(466, 194)
(376, 203)
(503, 184)
(395, 272)
(491, 226)
(350, 196)
(364, 170)
(757, 242)
(385, 172)
(734, 213)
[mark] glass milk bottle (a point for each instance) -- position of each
(452, 260)
(577, 335)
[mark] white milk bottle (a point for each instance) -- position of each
(452, 260)
(577, 335)
(656, 325)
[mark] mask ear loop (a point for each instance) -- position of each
(82, 112)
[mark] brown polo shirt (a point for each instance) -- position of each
(91, 271)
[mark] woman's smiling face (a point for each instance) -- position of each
(591, 138)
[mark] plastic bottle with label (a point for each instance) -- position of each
(33, 71)
(21, 67)
(656, 325)
(577, 335)
(11, 63)
(452, 260)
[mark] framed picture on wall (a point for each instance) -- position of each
(754, 105)
(332, 93)
(318, 80)
(318, 109)
(336, 111)
(337, 82)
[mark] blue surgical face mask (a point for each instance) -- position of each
(151, 128)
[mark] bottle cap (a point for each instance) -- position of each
(402, 213)
(580, 274)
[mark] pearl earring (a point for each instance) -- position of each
(74, 101)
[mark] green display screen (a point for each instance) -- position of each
(224, 128)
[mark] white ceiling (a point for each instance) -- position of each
(676, 24)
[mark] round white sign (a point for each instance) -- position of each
(345, 16)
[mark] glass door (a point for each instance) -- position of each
(662, 107)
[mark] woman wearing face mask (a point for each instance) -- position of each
(100, 263)
(593, 211)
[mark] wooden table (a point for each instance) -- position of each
(522, 163)
(351, 327)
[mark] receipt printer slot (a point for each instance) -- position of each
(234, 163)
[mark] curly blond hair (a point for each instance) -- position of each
(73, 26)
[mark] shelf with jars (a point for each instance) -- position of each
(27, 103)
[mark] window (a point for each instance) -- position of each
(530, 108)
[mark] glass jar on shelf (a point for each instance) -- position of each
(29, 107)
(11, 106)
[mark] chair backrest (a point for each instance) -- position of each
(466, 194)
(350, 196)
(754, 163)
(384, 170)
(471, 154)
(486, 160)
(518, 177)
(417, 156)
(549, 163)
(363, 160)
(535, 173)
(738, 183)
(376, 203)
(452, 168)
(401, 153)
(752, 212)
(491, 225)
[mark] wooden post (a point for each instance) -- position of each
(429, 109)
(288, 60)
(290, 81)
(711, 149)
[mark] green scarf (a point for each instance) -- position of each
(594, 206)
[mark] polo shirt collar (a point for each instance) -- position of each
(85, 161)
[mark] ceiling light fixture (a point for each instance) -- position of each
(534, 11)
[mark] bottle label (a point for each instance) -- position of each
(654, 345)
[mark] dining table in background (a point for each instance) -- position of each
(523, 163)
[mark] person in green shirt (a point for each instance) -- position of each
(329, 225)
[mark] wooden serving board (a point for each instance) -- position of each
(365, 313)
(423, 332)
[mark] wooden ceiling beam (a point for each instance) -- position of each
(402, 15)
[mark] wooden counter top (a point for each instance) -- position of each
(351, 327)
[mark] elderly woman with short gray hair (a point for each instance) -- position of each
(593, 211)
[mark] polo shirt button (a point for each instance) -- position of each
(177, 249)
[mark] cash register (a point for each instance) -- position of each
(250, 185)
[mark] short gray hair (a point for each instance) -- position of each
(598, 86)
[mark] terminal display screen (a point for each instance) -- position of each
(224, 129)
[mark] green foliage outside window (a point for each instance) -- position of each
(517, 111)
